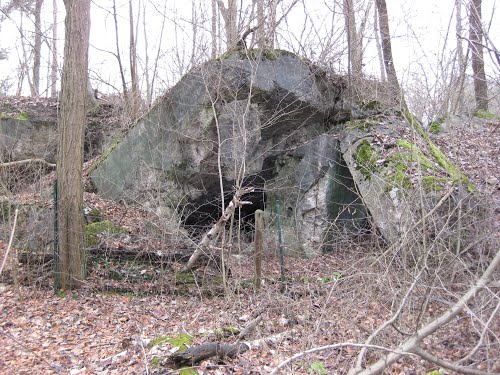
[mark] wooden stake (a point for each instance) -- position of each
(259, 234)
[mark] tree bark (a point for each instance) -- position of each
(476, 47)
(354, 40)
(71, 130)
(230, 16)
(462, 63)
(53, 64)
(118, 57)
(261, 21)
(37, 49)
(213, 53)
(135, 94)
(385, 35)
(377, 43)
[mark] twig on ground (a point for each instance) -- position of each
(334, 346)
(412, 343)
(10, 241)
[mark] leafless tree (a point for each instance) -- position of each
(37, 48)
(387, 51)
(354, 37)
(476, 47)
(54, 62)
(71, 128)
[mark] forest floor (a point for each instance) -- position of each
(117, 325)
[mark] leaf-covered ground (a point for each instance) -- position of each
(112, 324)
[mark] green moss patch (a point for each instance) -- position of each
(23, 116)
(435, 127)
(185, 279)
(457, 176)
(361, 124)
(434, 183)
(366, 159)
(93, 229)
(481, 113)
(181, 341)
(257, 53)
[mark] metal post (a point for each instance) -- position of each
(280, 242)
(56, 241)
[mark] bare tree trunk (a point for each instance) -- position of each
(379, 47)
(53, 65)
(71, 129)
(37, 48)
(476, 40)
(149, 94)
(387, 52)
(271, 23)
(25, 71)
(194, 26)
(260, 33)
(135, 95)
(354, 41)
(213, 53)
(462, 63)
(230, 16)
(118, 57)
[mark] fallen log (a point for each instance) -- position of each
(196, 354)
(153, 256)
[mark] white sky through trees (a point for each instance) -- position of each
(423, 37)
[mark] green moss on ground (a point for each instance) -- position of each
(435, 183)
(23, 116)
(155, 362)
(366, 159)
(481, 113)
(185, 279)
(181, 341)
(361, 124)
(93, 229)
(435, 127)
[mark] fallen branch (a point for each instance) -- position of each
(250, 327)
(155, 257)
(448, 365)
(10, 241)
(27, 161)
(412, 343)
(196, 354)
(330, 347)
(207, 239)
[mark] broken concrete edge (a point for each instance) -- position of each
(369, 161)
(459, 178)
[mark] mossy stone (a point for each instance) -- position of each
(366, 159)
(93, 229)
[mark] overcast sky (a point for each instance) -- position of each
(418, 28)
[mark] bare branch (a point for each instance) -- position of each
(27, 161)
